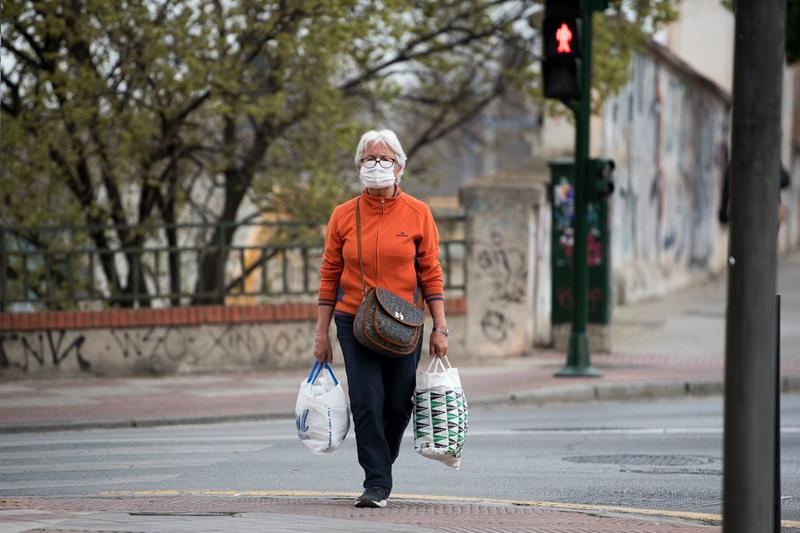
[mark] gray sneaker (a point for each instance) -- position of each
(373, 497)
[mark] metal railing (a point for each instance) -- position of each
(52, 268)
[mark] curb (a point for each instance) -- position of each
(638, 390)
(34, 427)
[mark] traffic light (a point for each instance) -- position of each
(561, 38)
(601, 175)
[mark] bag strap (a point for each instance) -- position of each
(333, 376)
(317, 370)
(358, 242)
(312, 377)
(438, 362)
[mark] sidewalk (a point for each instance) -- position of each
(223, 513)
(99, 402)
(673, 346)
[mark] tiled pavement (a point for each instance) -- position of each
(246, 514)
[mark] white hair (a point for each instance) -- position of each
(390, 138)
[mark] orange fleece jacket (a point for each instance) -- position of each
(399, 241)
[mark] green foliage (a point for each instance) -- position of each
(617, 35)
(137, 111)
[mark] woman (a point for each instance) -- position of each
(400, 253)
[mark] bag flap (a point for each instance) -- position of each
(399, 309)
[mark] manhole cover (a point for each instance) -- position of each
(641, 459)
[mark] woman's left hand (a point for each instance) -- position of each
(438, 344)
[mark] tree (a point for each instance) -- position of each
(132, 112)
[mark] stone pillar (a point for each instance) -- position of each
(503, 228)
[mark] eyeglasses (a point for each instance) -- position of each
(384, 163)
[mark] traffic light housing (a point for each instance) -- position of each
(601, 176)
(561, 39)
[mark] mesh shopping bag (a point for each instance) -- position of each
(440, 414)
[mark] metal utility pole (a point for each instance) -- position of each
(578, 362)
(750, 344)
(578, 358)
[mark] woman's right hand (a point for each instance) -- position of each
(322, 348)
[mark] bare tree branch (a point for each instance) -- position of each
(408, 54)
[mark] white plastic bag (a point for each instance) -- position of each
(322, 412)
(440, 414)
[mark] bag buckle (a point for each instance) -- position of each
(398, 315)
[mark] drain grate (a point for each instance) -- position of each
(641, 460)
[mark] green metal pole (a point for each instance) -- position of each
(578, 359)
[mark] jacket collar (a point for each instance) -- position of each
(373, 203)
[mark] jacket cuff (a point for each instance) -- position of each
(327, 298)
(434, 293)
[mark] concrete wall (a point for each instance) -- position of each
(153, 342)
(155, 350)
(789, 234)
(508, 270)
(667, 131)
(703, 37)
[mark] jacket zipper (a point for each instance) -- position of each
(377, 243)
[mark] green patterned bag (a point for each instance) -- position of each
(440, 414)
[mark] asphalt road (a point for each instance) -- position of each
(656, 455)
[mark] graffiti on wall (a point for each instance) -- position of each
(158, 349)
(41, 349)
(499, 267)
(503, 265)
(667, 132)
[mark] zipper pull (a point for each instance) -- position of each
(382, 204)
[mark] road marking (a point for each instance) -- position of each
(42, 442)
(610, 431)
(46, 484)
(584, 507)
(126, 465)
(193, 450)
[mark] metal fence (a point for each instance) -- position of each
(51, 268)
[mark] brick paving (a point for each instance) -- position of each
(282, 514)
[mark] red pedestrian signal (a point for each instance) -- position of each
(564, 38)
(562, 52)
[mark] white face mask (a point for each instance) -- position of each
(377, 177)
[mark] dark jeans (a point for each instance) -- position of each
(381, 399)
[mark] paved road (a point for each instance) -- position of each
(656, 455)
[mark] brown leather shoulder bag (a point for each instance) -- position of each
(385, 323)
